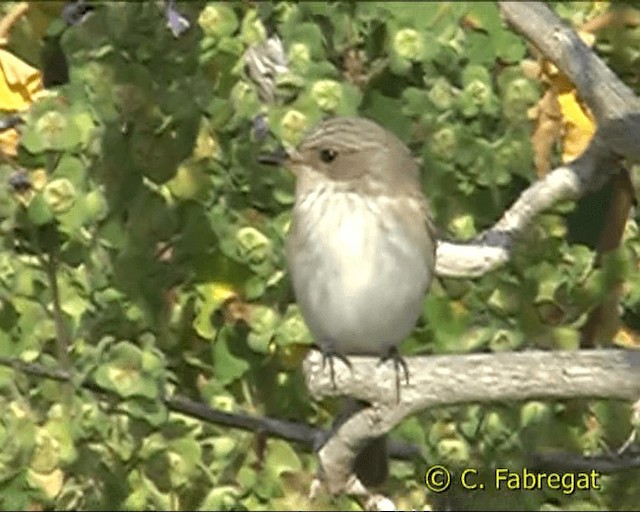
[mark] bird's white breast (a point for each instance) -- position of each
(358, 278)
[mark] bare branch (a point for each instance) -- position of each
(9, 21)
(493, 249)
(607, 96)
(62, 333)
(301, 433)
(617, 111)
(458, 379)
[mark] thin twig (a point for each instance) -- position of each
(7, 23)
(63, 338)
(308, 437)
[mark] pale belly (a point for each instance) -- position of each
(357, 284)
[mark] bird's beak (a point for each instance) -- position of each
(280, 156)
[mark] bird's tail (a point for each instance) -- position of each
(372, 463)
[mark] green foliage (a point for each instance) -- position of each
(149, 259)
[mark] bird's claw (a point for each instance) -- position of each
(398, 362)
(328, 355)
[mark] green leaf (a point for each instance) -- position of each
(124, 373)
(224, 497)
(60, 195)
(479, 49)
(39, 211)
(509, 47)
(184, 455)
(293, 329)
(228, 367)
(72, 169)
(281, 458)
(448, 321)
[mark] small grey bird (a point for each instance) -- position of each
(361, 247)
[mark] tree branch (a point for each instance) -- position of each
(617, 113)
(607, 96)
(457, 379)
(309, 437)
(10, 19)
(492, 249)
(50, 264)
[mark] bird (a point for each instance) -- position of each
(361, 247)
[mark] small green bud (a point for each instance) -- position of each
(509, 155)
(444, 143)
(505, 339)
(217, 20)
(478, 91)
(253, 30)
(299, 56)
(408, 44)
(293, 125)
(566, 338)
(495, 427)
(263, 319)
(474, 72)
(241, 92)
(503, 300)
(263, 322)
(534, 412)
(95, 205)
(60, 195)
(441, 94)
(253, 246)
(454, 451)
(293, 329)
(327, 94)
(520, 94)
(51, 125)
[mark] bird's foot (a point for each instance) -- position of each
(329, 353)
(398, 363)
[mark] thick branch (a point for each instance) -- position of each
(448, 380)
(617, 112)
(615, 107)
(493, 248)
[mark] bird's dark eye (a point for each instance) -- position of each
(328, 155)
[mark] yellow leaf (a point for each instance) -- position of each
(579, 125)
(221, 291)
(627, 338)
(577, 121)
(50, 483)
(9, 142)
(19, 82)
(38, 178)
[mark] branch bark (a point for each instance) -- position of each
(609, 99)
(457, 379)
(617, 112)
